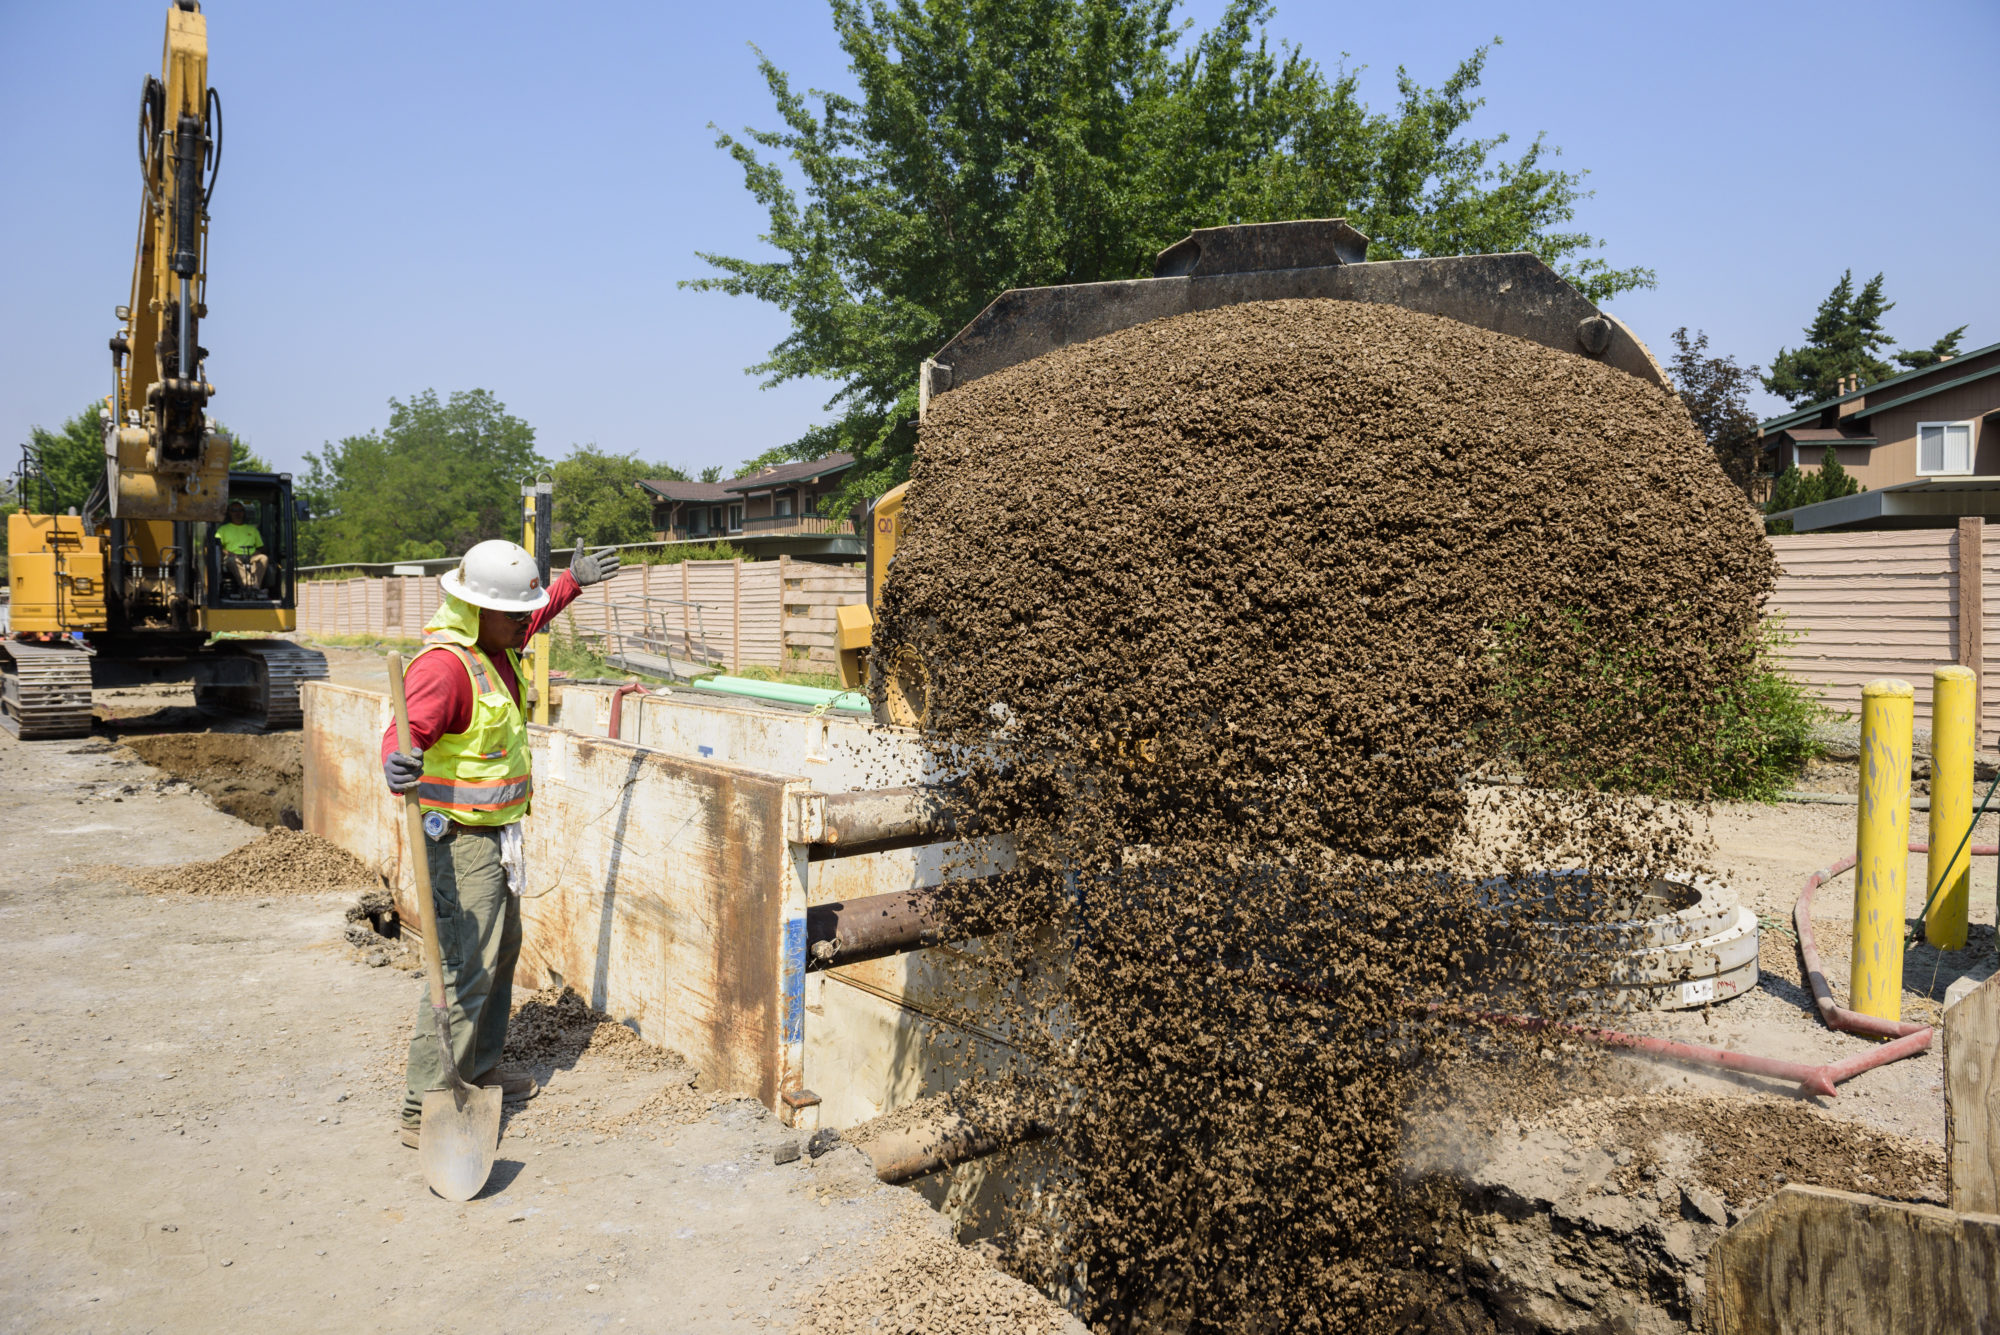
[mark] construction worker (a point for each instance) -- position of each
(243, 551)
(470, 770)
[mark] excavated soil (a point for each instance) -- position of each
(283, 862)
(1745, 1149)
(1219, 614)
(254, 777)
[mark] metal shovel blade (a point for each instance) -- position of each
(456, 1145)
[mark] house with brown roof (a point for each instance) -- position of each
(772, 512)
(1925, 444)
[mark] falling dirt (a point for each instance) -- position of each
(1219, 615)
(283, 862)
(254, 777)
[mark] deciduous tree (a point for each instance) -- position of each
(1716, 393)
(443, 475)
(1069, 141)
(598, 499)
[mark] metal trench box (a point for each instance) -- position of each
(671, 871)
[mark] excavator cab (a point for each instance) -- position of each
(268, 508)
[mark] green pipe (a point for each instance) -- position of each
(786, 693)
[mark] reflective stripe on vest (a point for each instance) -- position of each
(480, 776)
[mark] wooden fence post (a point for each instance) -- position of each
(784, 590)
(1969, 586)
(1972, 1101)
(736, 616)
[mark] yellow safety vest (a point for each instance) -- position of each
(480, 776)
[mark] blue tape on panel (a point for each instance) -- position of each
(795, 980)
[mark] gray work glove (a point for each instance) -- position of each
(402, 770)
(590, 567)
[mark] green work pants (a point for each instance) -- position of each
(479, 938)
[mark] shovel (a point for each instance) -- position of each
(461, 1127)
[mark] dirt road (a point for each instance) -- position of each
(197, 1113)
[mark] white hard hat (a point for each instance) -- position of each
(498, 574)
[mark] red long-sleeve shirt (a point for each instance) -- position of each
(440, 692)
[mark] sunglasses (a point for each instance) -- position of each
(518, 618)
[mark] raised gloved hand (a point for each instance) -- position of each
(590, 567)
(402, 770)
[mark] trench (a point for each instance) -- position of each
(255, 777)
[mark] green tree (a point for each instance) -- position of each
(1844, 341)
(71, 457)
(443, 475)
(1069, 141)
(598, 499)
(1795, 488)
(712, 473)
(1915, 359)
(1716, 393)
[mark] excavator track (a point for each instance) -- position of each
(274, 702)
(44, 690)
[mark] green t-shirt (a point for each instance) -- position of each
(239, 539)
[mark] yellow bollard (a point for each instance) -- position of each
(1952, 690)
(1882, 850)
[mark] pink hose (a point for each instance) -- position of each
(1906, 1040)
(617, 720)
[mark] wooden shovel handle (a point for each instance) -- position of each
(420, 865)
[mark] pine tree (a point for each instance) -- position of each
(1917, 358)
(1835, 481)
(1843, 340)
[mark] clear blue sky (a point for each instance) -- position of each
(502, 195)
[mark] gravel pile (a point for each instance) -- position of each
(1224, 609)
(282, 862)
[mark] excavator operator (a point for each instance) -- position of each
(243, 552)
(470, 769)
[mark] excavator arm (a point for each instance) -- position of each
(163, 457)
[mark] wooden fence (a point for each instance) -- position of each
(773, 614)
(1891, 604)
(1861, 606)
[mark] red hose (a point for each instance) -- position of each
(1906, 1040)
(1839, 1017)
(618, 706)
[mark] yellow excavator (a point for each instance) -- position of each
(135, 587)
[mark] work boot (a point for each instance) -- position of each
(408, 1135)
(511, 1079)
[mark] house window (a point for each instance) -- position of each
(784, 504)
(715, 519)
(697, 522)
(1944, 447)
(735, 519)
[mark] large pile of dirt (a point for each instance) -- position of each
(254, 777)
(283, 862)
(1219, 612)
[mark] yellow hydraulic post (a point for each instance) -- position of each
(1882, 850)
(537, 518)
(1952, 712)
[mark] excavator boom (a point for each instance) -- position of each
(132, 586)
(164, 459)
